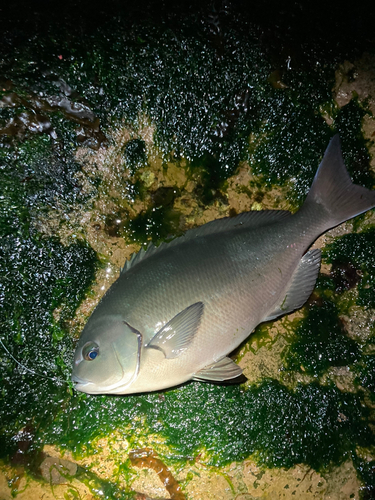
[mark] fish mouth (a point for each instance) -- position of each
(79, 383)
(88, 387)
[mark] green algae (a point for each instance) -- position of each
(42, 283)
(320, 342)
(108, 490)
(41, 174)
(281, 427)
(366, 471)
(37, 278)
(203, 101)
(158, 223)
(135, 155)
(356, 249)
(365, 370)
(349, 122)
(290, 144)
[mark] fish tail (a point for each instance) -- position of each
(333, 198)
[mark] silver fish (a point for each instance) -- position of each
(178, 310)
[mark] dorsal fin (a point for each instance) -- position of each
(254, 218)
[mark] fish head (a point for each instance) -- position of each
(107, 356)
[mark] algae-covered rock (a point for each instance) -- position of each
(120, 127)
(57, 470)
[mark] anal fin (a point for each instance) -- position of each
(301, 285)
(225, 369)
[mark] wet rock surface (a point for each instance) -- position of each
(57, 470)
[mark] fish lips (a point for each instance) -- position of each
(86, 387)
(80, 384)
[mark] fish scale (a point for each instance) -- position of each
(178, 310)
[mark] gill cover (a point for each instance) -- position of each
(107, 357)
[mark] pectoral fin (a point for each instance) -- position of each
(225, 369)
(301, 285)
(176, 335)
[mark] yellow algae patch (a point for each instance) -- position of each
(301, 483)
(356, 79)
(236, 481)
(29, 488)
(243, 194)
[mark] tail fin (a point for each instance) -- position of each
(333, 191)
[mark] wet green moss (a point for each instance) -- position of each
(366, 374)
(313, 424)
(42, 283)
(41, 173)
(344, 276)
(196, 87)
(159, 222)
(356, 249)
(37, 277)
(291, 143)
(365, 368)
(156, 224)
(366, 471)
(108, 490)
(349, 122)
(135, 155)
(320, 342)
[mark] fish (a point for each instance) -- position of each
(178, 310)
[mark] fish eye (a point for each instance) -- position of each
(90, 351)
